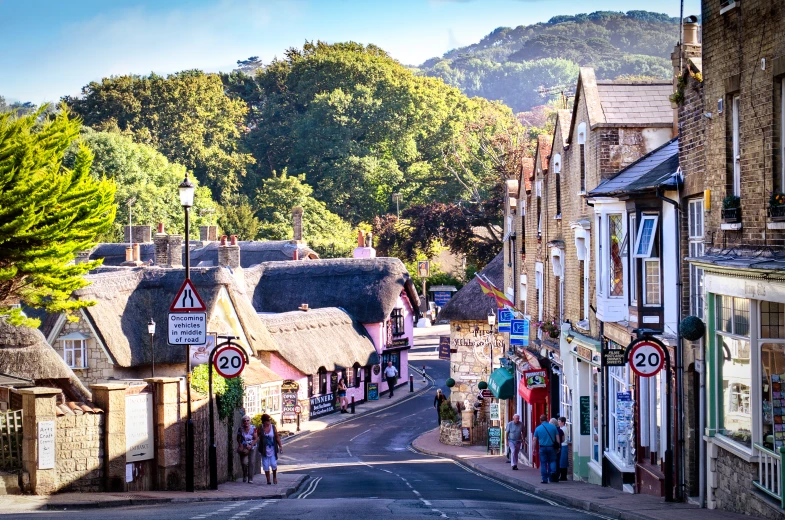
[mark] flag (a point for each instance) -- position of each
(488, 288)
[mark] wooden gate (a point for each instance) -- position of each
(11, 440)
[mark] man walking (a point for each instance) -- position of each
(391, 374)
(546, 437)
(514, 431)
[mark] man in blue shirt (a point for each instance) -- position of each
(546, 438)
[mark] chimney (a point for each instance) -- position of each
(129, 254)
(208, 233)
(297, 223)
(296, 254)
(229, 254)
(364, 247)
(175, 244)
(161, 254)
(137, 253)
(137, 234)
(160, 227)
(82, 257)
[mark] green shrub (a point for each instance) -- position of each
(447, 412)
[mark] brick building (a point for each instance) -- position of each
(732, 125)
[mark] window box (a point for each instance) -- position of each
(777, 207)
(731, 215)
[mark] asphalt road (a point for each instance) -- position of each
(365, 468)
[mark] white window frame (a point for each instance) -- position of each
(609, 251)
(645, 289)
(582, 157)
(251, 400)
(735, 105)
(639, 238)
(565, 399)
(633, 261)
(524, 292)
(70, 350)
(270, 394)
(619, 379)
(695, 227)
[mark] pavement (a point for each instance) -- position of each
(579, 495)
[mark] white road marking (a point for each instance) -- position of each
(349, 452)
(366, 431)
(386, 470)
(469, 489)
(310, 489)
(307, 488)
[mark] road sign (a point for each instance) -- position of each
(187, 299)
(229, 362)
(298, 409)
(519, 332)
(646, 358)
(187, 328)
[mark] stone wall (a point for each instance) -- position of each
(735, 491)
(471, 363)
(450, 434)
(78, 451)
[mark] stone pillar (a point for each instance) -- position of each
(208, 233)
(229, 254)
(111, 399)
(175, 243)
(169, 433)
(38, 404)
(297, 223)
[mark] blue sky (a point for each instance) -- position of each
(49, 48)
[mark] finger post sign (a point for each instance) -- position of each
(229, 362)
(646, 358)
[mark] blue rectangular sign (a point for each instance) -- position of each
(504, 318)
(519, 333)
(441, 297)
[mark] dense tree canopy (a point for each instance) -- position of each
(144, 174)
(186, 116)
(525, 65)
(48, 213)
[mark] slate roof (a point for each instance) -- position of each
(114, 253)
(254, 252)
(653, 170)
(470, 303)
(636, 104)
(747, 258)
(367, 288)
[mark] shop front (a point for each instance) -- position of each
(533, 389)
(502, 387)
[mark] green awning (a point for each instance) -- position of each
(502, 384)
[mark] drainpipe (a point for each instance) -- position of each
(679, 351)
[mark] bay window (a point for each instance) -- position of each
(633, 261)
(615, 264)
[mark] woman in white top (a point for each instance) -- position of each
(246, 443)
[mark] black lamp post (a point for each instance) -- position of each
(151, 331)
(186, 189)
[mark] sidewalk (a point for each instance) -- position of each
(401, 393)
(227, 492)
(579, 495)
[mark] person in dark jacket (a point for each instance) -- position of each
(437, 403)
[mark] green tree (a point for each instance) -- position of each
(142, 173)
(48, 213)
(325, 232)
(186, 116)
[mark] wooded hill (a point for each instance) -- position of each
(527, 65)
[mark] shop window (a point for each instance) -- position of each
(565, 399)
(736, 370)
(397, 322)
(772, 324)
(596, 422)
(733, 315)
(615, 265)
(270, 399)
(395, 357)
(772, 358)
(696, 249)
(621, 442)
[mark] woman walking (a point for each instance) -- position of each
(270, 446)
(342, 394)
(437, 403)
(246, 443)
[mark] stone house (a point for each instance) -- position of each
(732, 154)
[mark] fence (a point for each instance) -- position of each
(11, 440)
(770, 473)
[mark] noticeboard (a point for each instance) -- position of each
(613, 358)
(373, 391)
(441, 298)
(322, 405)
(138, 427)
(466, 434)
(494, 438)
(444, 347)
(585, 415)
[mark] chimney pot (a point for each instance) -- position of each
(223, 240)
(137, 253)
(360, 238)
(234, 240)
(296, 255)
(129, 254)
(160, 227)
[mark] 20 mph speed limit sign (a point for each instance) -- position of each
(646, 358)
(229, 362)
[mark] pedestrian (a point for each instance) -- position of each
(391, 374)
(342, 394)
(247, 439)
(514, 431)
(546, 438)
(564, 455)
(270, 446)
(555, 477)
(437, 403)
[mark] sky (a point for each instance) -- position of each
(51, 48)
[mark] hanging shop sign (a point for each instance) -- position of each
(536, 379)
(519, 333)
(322, 405)
(646, 357)
(444, 347)
(613, 358)
(505, 317)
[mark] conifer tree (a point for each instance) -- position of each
(48, 214)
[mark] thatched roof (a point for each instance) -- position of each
(126, 298)
(327, 338)
(24, 353)
(255, 373)
(367, 288)
(470, 304)
(253, 253)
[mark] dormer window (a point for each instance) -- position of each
(74, 347)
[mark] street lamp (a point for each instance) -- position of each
(491, 323)
(151, 331)
(186, 189)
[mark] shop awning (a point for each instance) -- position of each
(533, 395)
(502, 384)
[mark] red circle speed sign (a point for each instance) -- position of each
(646, 358)
(297, 409)
(229, 362)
